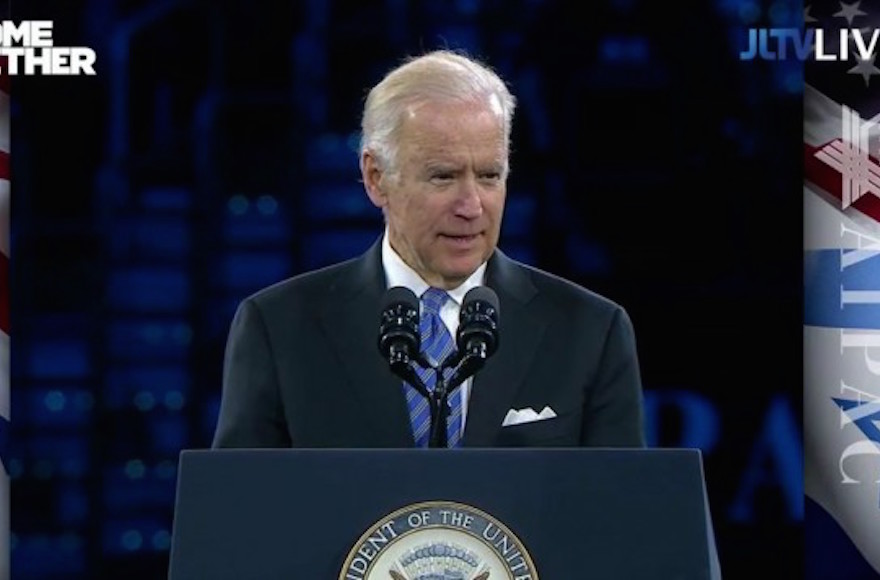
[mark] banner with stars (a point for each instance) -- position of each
(842, 297)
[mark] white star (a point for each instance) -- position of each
(807, 16)
(850, 11)
(865, 68)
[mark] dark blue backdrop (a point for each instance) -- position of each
(214, 153)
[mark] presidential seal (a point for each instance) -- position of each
(438, 540)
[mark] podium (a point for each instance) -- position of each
(553, 514)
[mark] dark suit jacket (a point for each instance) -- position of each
(303, 368)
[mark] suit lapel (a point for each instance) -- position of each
(520, 330)
(351, 323)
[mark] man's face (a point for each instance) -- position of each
(444, 206)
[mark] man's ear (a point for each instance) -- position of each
(371, 174)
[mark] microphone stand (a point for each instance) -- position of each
(438, 401)
(405, 367)
(439, 404)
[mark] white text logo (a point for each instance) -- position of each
(30, 50)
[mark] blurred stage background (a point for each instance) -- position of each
(214, 154)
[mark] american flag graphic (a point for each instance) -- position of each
(842, 298)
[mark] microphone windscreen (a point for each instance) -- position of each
(399, 295)
(482, 294)
(479, 320)
(399, 322)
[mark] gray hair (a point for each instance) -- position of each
(441, 75)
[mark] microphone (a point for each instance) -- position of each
(399, 336)
(476, 340)
(478, 323)
(477, 335)
(399, 325)
(400, 344)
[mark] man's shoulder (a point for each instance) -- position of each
(305, 288)
(564, 293)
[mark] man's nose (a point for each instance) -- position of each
(469, 204)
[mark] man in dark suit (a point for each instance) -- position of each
(302, 366)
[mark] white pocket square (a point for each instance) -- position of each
(527, 415)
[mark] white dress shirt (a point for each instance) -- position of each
(398, 273)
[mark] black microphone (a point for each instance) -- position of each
(399, 336)
(478, 323)
(477, 334)
(476, 340)
(400, 344)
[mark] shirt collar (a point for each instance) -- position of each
(398, 273)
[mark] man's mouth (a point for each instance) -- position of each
(461, 239)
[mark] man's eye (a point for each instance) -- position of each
(441, 176)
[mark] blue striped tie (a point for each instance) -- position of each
(437, 344)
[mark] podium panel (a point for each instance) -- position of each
(297, 514)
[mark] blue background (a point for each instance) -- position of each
(214, 153)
